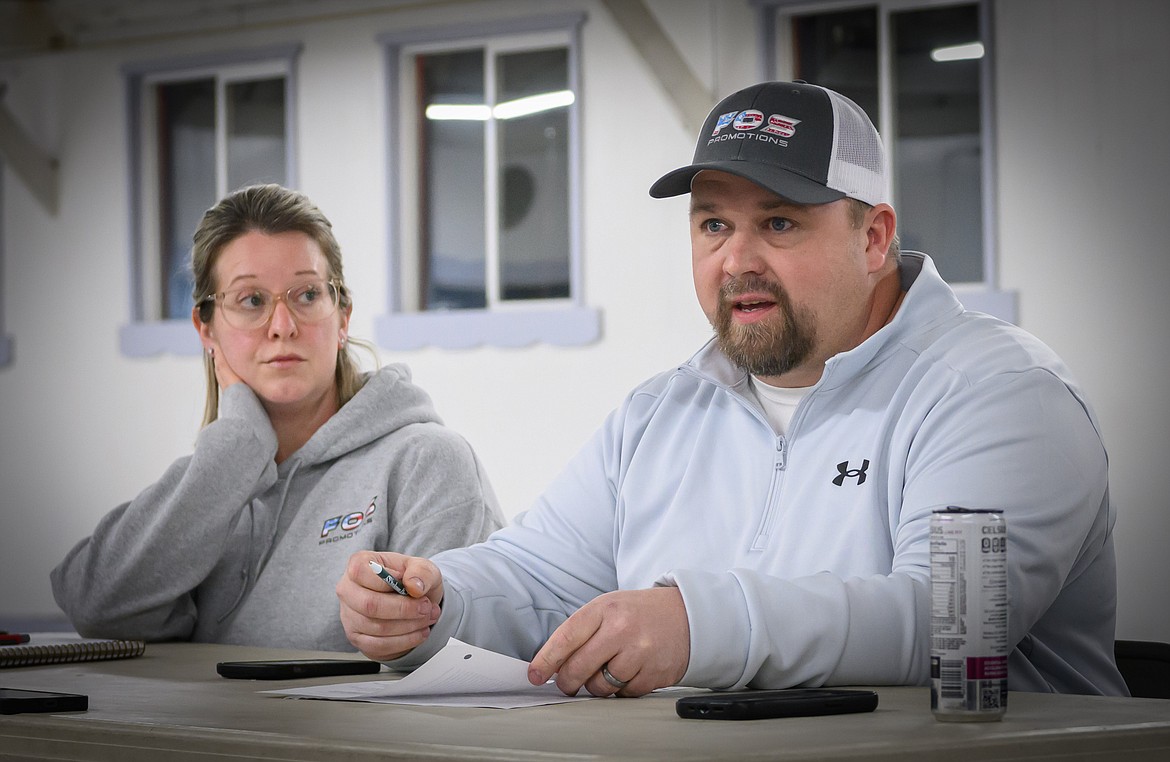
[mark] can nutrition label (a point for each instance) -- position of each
(968, 618)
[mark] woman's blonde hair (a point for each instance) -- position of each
(269, 209)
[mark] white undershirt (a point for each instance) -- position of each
(779, 403)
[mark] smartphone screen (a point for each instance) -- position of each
(767, 704)
(16, 701)
(288, 669)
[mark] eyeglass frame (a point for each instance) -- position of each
(338, 288)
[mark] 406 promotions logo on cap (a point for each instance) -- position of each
(751, 119)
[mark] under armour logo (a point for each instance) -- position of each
(852, 473)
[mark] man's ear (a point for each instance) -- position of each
(881, 223)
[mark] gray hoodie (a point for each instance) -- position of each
(229, 547)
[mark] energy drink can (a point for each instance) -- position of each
(969, 615)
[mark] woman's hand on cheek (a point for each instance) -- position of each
(223, 371)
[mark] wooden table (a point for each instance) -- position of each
(170, 704)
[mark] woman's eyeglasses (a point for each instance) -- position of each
(251, 307)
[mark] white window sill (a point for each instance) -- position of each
(463, 329)
(176, 337)
(454, 329)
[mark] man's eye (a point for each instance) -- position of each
(712, 226)
(779, 224)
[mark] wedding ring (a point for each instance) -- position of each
(619, 684)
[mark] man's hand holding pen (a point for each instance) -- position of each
(380, 623)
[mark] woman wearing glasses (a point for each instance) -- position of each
(302, 460)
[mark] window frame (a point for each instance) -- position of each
(5, 340)
(142, 336)
(564, 322)
(984, 295)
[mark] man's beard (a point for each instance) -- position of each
(771, 347)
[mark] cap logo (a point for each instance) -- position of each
(748, 120)
(723, 121)
(743, 122)
(784, 126)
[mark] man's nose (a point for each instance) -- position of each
(742, 254)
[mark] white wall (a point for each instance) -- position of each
(83, 429)
(1083, 109)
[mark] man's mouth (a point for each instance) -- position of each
(750, 300)
(752, 305)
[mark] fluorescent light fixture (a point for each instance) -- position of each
(458, 112)
(477, 112)
(958, 52)
(533, 104)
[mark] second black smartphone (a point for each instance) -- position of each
(289, 669)
(15, 701)
(762, 705)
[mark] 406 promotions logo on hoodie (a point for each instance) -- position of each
(346, 526)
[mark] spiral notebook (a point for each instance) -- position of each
(62, 647)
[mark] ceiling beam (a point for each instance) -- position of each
(691, 99)
(29, 161)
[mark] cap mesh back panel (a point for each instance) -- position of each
(858, 165)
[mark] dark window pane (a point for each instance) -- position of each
(938, 149)
(255, 132)
(840, 51)
(451, 155)
(533, 181)
(186, 155)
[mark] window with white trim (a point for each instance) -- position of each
(484, 178)
(200, 130)
(921, 70)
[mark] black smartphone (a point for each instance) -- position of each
(288, 669)
(763, 705)
(16, 701)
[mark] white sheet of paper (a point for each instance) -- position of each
(458, 675)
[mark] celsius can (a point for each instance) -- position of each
(968, 615)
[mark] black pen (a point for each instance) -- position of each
(381, 572)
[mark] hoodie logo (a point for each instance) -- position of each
(349, 524)
(845, 472)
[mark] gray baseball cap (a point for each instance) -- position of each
(803, 142)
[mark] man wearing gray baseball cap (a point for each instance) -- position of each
(758, 516)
